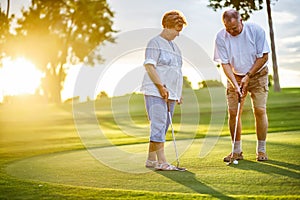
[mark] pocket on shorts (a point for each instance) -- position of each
(264, 71)
(266, 88)
(229, 91)
(264, 80)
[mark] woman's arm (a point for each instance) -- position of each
(156, 80)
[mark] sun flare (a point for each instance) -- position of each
(18, 77)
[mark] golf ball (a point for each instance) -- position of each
(235, 162)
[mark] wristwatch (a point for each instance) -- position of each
(249, 74)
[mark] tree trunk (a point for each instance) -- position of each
(274, 60)
(56, 92)
(57, 85)
(51, 85)
(7, 8)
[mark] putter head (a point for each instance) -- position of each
(231, 160)
(181, 169)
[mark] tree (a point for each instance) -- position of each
(210, 84)
(102, 94)
(7, 8)
(54, 33)
(274, 59)
(247, 7)
(4, 32)
(186, 83)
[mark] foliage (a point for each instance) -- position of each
(270, 82)
(54, 34)
(186, 82)
(4, 31)
(210, 83)
(102, 94)
(247, 6)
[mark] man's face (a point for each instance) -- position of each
(233, 26)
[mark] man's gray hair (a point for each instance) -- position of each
(231, 14)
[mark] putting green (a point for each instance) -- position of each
(280, 176)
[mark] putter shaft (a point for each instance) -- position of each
(173, 135)
(235, 127)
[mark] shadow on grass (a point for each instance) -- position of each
(189, 180)
(284, 164)
(272, 167)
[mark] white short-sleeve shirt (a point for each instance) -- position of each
(242, 50)
(167, 60)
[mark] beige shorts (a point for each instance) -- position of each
(257, 87)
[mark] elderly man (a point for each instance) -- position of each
(242, 50)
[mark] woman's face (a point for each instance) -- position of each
(175, 31)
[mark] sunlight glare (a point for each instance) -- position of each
(19, 76)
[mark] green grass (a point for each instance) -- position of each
(43, 157)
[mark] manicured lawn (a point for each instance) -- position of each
(97, 150)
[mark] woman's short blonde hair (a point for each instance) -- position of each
(173, 18)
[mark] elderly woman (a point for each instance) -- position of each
(162, 85)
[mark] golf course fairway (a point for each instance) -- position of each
(98, 150)
(280, 176)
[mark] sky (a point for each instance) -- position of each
(139, 20)
(203, 23)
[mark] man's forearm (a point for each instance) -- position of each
(229, 74)
(258, 65)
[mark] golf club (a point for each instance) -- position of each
(174, 140)
(235, 129)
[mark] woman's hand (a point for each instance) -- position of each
(163, 92)
(180, 101)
